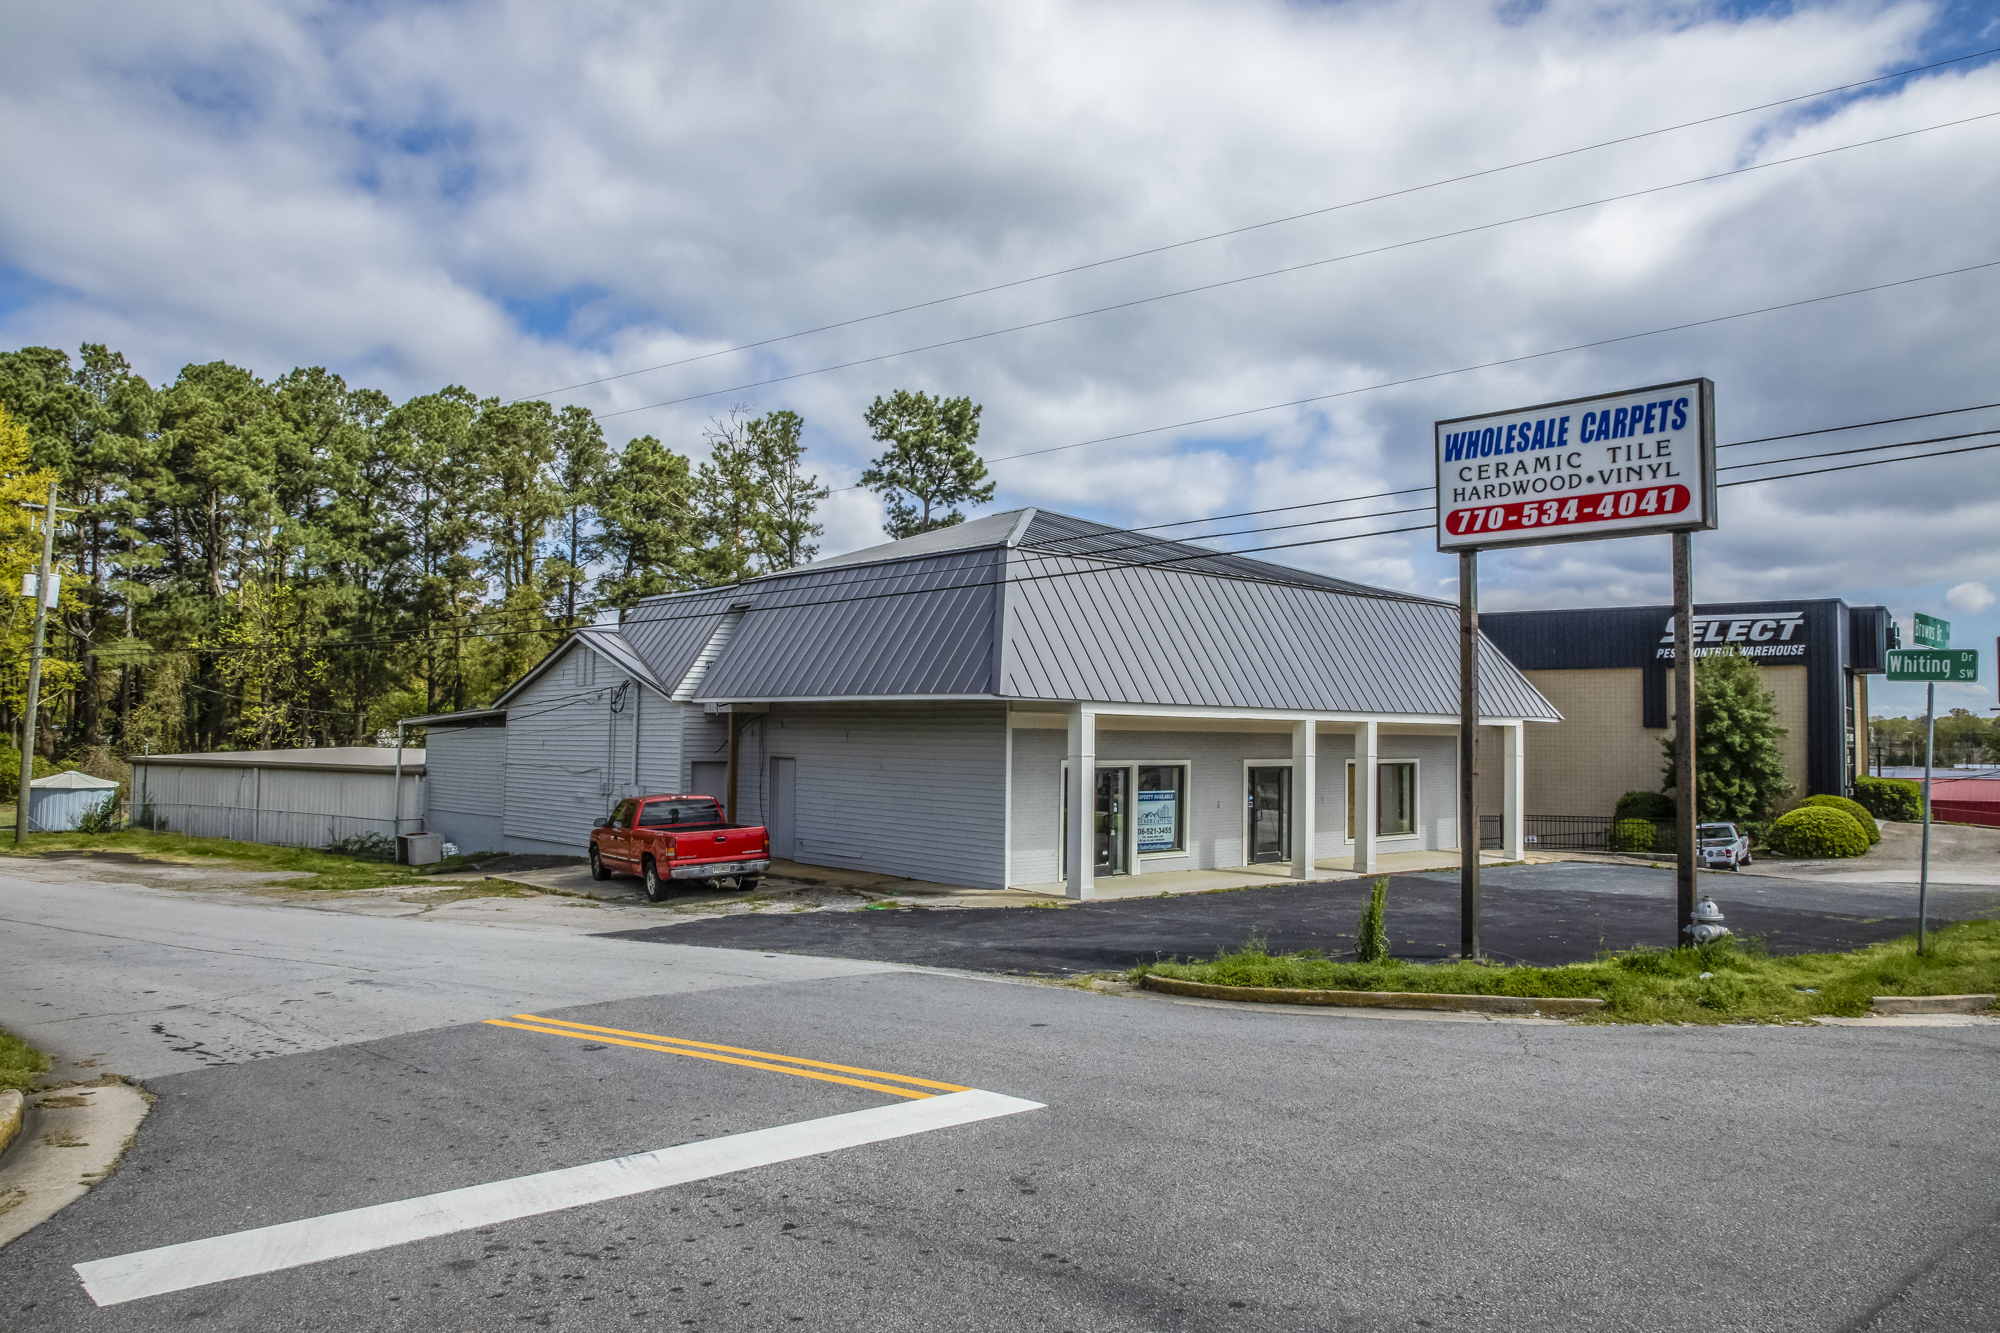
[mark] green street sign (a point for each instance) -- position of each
(1930, 632)
(1953, 664)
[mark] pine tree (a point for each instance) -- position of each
(930, 460)
(648, 535)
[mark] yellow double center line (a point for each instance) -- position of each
(729, 1055)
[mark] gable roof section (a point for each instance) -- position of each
(1133, 634)
(922, 627)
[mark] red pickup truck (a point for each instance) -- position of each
(659, 838)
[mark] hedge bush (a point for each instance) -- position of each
(1818, 830)
(1855, 811)
(1655, 807)
(1891, 798)
(1632, 835)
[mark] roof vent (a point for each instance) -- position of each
(718, 639)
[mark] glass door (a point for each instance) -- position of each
(1270, 815)
(1112, 811)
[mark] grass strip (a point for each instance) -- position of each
(20, 1063)
(1730, 981)
(329, 870)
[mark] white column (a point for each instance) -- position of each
(1305, 798)
(1080, 849)
(1367, 795)
(1513, 768)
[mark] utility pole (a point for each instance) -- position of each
(42, 599)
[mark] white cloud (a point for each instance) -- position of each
(1969, 597)
(517, 196)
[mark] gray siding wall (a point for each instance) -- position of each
(569, 756)
(1217, 792)
(915, 790)
(467, 786)
(290, 807)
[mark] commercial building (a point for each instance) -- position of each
(1608, 671)
(922, 708)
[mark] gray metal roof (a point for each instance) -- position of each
(331, 758)
(1034, 605)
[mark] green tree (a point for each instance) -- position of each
(648, 533)
(580, 462)
(517, 442)
(1739, 771)
(929, 467)
(785, 537)
(433, 438)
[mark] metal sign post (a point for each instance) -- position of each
(1685, 870)
(1930, 664)
(1468, 741)
(1612, 465)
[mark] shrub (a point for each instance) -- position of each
(100, 818)
(365, 847)
(1656, 807)
(1372, 943)
(1632, 835)
(1890, 798)
(1818, 830)
(1855, 811)
(1739, 770)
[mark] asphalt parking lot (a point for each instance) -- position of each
(1542, 914)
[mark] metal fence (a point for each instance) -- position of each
(285, 828)
(1566, 833)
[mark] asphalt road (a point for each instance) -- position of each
(1544, 914)
(1191, 1166)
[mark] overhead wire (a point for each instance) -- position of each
(707, 610)
(1283, 271)
(1272, 222)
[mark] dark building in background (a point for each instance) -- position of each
(1608, 670)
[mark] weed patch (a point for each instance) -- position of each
(1729, 981)
(329, 870)
(19, 1063)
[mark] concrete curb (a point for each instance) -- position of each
(1931, 1004)
(12, 1106)
(1376, 999)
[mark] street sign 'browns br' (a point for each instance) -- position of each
(1612, 465)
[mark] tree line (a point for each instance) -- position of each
(256, 564)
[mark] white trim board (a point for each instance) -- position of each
(198, 1263)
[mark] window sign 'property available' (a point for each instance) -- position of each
(1615, 465)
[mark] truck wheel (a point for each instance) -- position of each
(597, 870)
(749, 883)
(650, 872)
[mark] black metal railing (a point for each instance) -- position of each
(1569, 833)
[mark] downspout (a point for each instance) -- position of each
(637, 691)
(729, 782)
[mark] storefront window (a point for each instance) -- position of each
(1162, 809)
(1397, 793)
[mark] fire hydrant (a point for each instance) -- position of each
(1707, 926)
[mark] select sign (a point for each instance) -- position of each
(1959, 665)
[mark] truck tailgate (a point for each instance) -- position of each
(729, 844)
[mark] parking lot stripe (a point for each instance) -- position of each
(587, 1029)
(129, 1277)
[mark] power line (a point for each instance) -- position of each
(1885, 421)
(1281, 272)
(1258, 226)
(1864, 449)
(1491, 365)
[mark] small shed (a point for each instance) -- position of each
(332, 795)
(57, 802)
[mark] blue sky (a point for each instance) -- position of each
(516, 197)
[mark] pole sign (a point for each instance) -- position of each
(1614, 465)
(1929, 631)
(1957, 665)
